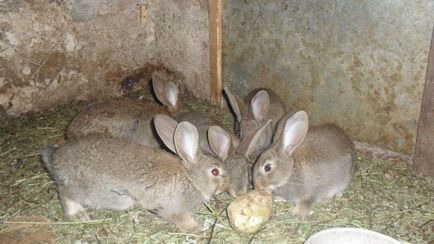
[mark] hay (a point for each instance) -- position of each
(385, 196)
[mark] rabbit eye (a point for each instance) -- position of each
(215, 172)
(267, 167)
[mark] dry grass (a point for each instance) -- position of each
(384, 197)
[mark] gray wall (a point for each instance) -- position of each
(360, 64)
(52, 52)
(182, 37)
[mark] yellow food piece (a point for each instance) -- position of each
(247, 213)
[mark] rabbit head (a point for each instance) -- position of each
(274, 166)
(167, 93)
(182, 139)
(249, 117)
(237, 160)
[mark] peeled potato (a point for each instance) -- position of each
(247, 213)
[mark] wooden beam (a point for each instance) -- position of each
(215, 49)
(424, 153)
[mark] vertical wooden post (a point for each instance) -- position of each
(215, 49)
(424, 153)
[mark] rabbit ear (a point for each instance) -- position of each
(187, 141)
(219, 141)
(259, 105)
(294, 131)
(165, 127)
(258, 141)
(158, 85)
(237, 105)
(172, 94)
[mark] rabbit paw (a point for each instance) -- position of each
(185, 222)
(74, 210)
(302, 209)
(301, 212)
(81, 215)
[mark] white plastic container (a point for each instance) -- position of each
(350, 235)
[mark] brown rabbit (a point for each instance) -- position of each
(303, 166)
(264, 105)
(109, 173)
(126, 119)
(215, 139)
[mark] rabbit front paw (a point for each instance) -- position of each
(74, 210)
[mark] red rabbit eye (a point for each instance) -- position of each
(215, 172)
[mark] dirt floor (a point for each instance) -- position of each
(385, 196)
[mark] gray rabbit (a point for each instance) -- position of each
(258, 107)
(109, 173)
(238, 161)
(217, 140)
(306, 166)
(127, 119)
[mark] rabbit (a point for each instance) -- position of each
(264, 105)
(236, 154)
(110, 173)
(238, 161)
(306, 167)
(127, 119)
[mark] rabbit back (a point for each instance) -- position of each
(118, 119)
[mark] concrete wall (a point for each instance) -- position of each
(52, 52)
(182, 34)
(358, 63)
(56, 51)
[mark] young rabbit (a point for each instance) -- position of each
(303, 166)
(237, 161)
(264, 105)
(126, 119)
(216, 140)
(109, 173)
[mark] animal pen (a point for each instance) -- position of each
(366, 66)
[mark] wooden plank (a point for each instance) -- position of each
(215, 49)
(424, 153)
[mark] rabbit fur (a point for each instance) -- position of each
(258, 107)
(236, 153)
(127, 119)
(110, 173)
(306, 166)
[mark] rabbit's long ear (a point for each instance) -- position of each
(166, 91)
(158, 84)
(294, 131)
(172, 94)
(187, 141)
(259, 105)
(257, 140)
(165, 127)
(237, 105)
(219, 141)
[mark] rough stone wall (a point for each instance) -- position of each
(182, 37)
(54, 51)
(358, 63)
